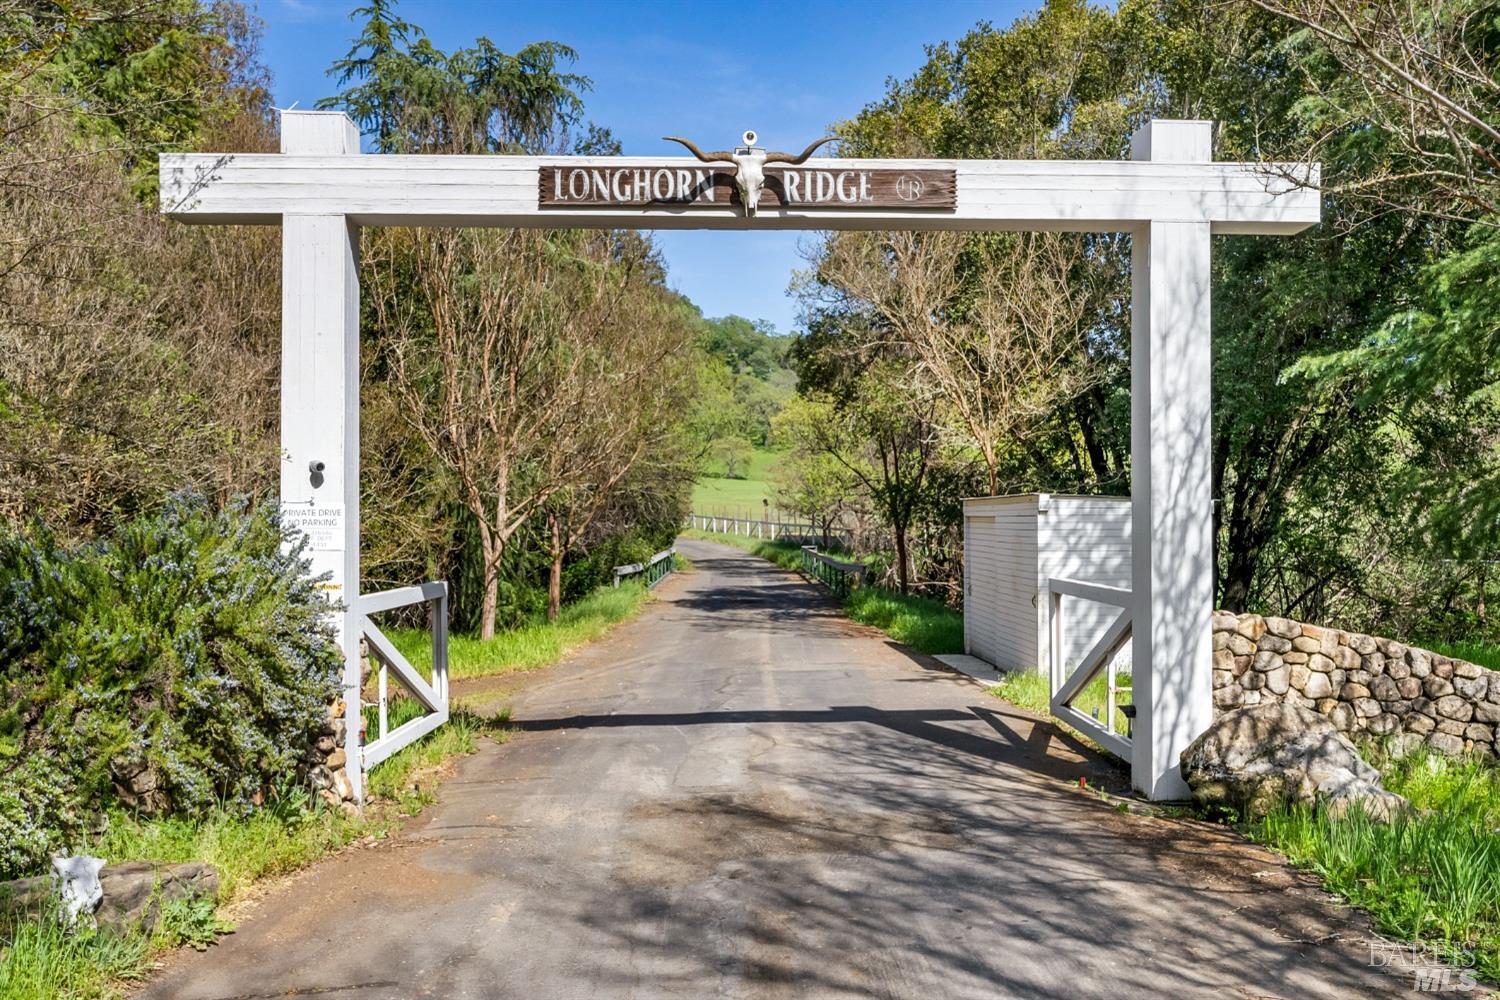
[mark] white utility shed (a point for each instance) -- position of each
(1012, 546)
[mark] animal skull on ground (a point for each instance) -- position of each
(749, 164)
(77, 881)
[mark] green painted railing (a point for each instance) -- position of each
(837, 575)
(652, 572)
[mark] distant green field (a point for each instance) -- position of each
(738, 497)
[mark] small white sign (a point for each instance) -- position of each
(322, 523)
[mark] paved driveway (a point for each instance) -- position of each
(741, 794)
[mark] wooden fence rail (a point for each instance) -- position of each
(1098, 660)
(432, 694)
(790, 531)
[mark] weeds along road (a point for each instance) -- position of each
(742, 794)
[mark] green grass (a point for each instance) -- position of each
(288, 834)
(294, 828)
(39, 959)
(1033, 691)
(919, 622)
(1025, 689)
(1486, 654)
(532, 646)
(1432, 876)
(746, 497)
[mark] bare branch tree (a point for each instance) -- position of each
(510, 352)
(1420, 72)
(995, 327)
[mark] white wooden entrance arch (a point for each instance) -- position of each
(1171, 197)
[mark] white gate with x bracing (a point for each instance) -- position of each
(1100, 660)
(432, 694)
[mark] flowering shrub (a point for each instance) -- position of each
(186, 663)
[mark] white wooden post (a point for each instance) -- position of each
(320, 395)
(1171, 475)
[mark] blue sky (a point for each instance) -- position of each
(707, 70)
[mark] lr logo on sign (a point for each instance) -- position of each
(909, 187)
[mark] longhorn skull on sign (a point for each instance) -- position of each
(749, 164)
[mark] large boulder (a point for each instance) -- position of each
(131, 894)
(135, 891)
(1255, 759)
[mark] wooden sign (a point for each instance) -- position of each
(684, 186)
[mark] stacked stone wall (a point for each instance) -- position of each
(1363, 684)
(329, 773)
(329, 760)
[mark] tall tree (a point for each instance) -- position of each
(410, 96)
(376, 71)
(489, 350)
(629, 400)
(812, 480)
(121, 379)
(995, 326)
(1419, 81)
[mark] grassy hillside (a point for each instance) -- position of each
(745, 385)
(714, 494)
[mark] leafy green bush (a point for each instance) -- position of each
(585, 574)
(185, 664)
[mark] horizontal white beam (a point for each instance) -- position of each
(392, 190)
(843, 566)
(1119, 597)
(401, 737)
(401, 597)
(1113, 742)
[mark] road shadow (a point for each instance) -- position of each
(884, 853)
(1014, 738)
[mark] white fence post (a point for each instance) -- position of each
(1055, 665)
(320, 396)
(1170, 471)
(437, 623)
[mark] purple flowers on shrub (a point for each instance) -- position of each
(184, 664)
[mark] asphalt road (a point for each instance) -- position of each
(741, 794)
